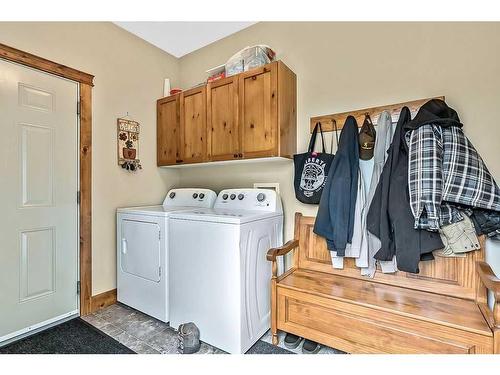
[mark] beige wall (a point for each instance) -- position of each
(346, 66)
(129, 77)
(339, 66)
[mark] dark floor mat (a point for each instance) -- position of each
(72, 337)
(262, 347)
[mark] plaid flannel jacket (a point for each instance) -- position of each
(445, 171)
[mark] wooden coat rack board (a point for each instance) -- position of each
(327, 121)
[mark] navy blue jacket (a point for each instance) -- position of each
(335, 218)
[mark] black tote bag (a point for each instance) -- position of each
(311, 170)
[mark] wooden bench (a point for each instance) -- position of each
(443, 309)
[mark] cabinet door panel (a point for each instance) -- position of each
(258, 113)
(222, 119)
(193, 125)
(167, 131)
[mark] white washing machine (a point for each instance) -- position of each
(220, 278)
(142, 250)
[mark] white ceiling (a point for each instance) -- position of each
(181, 38)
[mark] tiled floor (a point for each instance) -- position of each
(141, 333)
(146, 335)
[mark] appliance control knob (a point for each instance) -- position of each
(261, 197)
(201, 196)
(195, 195)
(240, 196)
(172, 195)
(224, 196)
(232, 196)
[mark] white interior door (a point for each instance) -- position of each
(38, 187)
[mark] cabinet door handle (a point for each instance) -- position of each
(235, 155)
(240, 155)
(179, 161)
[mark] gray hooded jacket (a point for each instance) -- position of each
(385, 132)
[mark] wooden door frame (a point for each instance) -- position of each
(85, 82)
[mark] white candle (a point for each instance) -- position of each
(166, 87)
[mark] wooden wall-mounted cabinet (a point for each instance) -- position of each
(245, 116)
(224, 136)
(193, 126)
(168, 130)
(258, 96)
(182, 128)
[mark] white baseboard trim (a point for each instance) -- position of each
(14, 336)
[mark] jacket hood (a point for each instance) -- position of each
(436, 112)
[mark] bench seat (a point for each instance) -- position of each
(441, 310)
(447, 311)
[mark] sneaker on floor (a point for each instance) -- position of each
(292, 341)
(310, 347)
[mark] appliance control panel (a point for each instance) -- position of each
(190, 197)
(249, 199)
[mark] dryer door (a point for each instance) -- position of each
(140, 249)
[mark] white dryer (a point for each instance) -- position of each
(220, 278)
(142, 250)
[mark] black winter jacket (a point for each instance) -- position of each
(390, 217)
(335, 218)
(486, 222)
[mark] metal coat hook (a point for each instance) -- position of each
(336, 136)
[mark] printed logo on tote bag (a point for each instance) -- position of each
(313, 176)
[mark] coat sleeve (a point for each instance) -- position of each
(322, 224)
(425, 176)
(340, 208)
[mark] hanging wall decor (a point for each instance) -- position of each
(128, 144)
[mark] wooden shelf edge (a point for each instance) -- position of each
(327, 121)
(273, 159)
